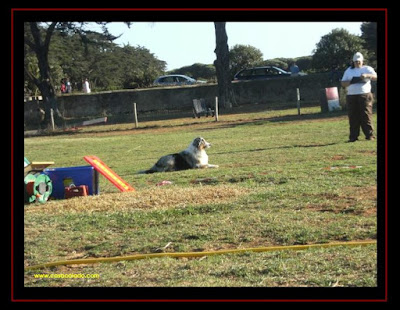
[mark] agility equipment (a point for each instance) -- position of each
(76, 191)
(110, 175)
(329, 99)
(66, 177)
(198, 254)
(76, 126)
(38, 186)
(36, 166)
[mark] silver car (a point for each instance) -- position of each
(174, 79)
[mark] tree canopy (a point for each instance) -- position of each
(336, 49)
(369, 35)
(197, 71)
(93, 56)
(244, 56)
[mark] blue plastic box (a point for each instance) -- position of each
(64, 177)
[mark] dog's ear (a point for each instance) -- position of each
(197, 142)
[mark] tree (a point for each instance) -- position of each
(337, 49)
(244, 56)
(304, 63)
(197, 71)
(225, 92)
(107, 65)
(369, 35)
(39, 45)
(140, 67)
(37, 38)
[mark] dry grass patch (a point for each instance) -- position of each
(151, 198)
(356, 200)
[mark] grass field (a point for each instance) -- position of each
(283, 180)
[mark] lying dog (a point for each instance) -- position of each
(193, 157)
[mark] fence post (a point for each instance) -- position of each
(135, 114)
(52, 118)
(216, 109)
(298, 101)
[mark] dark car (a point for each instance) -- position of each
(175, 79)
(261, 73)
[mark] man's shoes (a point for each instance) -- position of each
(370, 138)
(352, 140)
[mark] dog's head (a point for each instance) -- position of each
(200, 143)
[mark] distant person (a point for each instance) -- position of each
(68, 87)
(357, 79)
(63, 88)
(294, 69)
(86, 86)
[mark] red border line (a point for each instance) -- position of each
(12, 154)
(200, 9)
(386, 157)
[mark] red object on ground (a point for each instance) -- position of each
(76, 191)
(110, 175)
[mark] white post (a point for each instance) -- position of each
(298, 101)
(52, 118)
(216, 109)
(135, 113)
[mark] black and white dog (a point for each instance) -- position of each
(193, 157)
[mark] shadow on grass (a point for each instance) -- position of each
(277, 148)
(282, 119)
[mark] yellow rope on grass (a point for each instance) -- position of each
(196, 254)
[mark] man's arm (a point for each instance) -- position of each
(371, 76)
(345, 83)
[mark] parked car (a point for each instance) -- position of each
(261, 73)
(175, 79)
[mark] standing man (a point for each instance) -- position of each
(357, 79)
(294, 69)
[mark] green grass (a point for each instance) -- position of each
(275, 186)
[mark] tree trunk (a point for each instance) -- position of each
(41, 49)
(50, 102)
(225, 92)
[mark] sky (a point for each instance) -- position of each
(182, 44)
